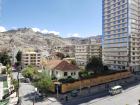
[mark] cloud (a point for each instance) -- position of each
(2, 29)
(45, 31)
(36, 29)
(74, 35)
(54, 32)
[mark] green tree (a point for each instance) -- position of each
(60, 55)
(29, 72)
(73, 62)
(8, 69)
(15, 83)
(19, 58)
(5, 58)
(95, 64)
(44, 83)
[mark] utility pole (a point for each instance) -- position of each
(18, 81)
(80, 85)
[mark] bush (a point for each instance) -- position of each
(86, 74)
(3, 71)
(67, 80)
(53, 78)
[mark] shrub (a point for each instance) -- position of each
(67, 80)
(3, 71)
(86, 74)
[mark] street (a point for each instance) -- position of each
(129, 96)
(27, 95)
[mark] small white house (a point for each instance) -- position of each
(62, 69)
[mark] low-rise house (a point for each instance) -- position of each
(62, 69)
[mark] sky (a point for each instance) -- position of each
(80, 18)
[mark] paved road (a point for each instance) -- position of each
(129, 96)
(26, 92)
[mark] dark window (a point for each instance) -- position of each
(65, 73)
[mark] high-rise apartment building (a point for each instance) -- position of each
(87, 49)
(121, 34)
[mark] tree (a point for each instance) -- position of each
(44, 83)
(73, 62)
(67, 56)
(29, 72)
(95, 64)
(19, 58)
(60, 55)
(15, 83)
(5, 58)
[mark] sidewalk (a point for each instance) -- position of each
(1, 90)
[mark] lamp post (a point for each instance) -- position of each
(34, 95)
(80, 85)
(57, 88)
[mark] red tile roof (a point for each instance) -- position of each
(61, 65)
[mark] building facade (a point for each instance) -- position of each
(85, 51)
(121, 37)
(61, 69)
(31, 58)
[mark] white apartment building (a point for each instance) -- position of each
(31, 58)
(84, 51)
(121, 34)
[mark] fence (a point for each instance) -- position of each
(94, 81)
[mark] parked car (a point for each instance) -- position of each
(74, 93)
(27, 80)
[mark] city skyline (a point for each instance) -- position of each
(67, 18)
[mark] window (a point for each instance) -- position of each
(118, 12)
(118, 3)
(123, 1)
(123, 6)
(118, 21)
(65, 73)
(123, 15)
(72, 73)
(123, 20)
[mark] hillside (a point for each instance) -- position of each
(26, 37)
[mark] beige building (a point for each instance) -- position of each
(121, 32)
(61, 69)
(85, 51)
(31, 58)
